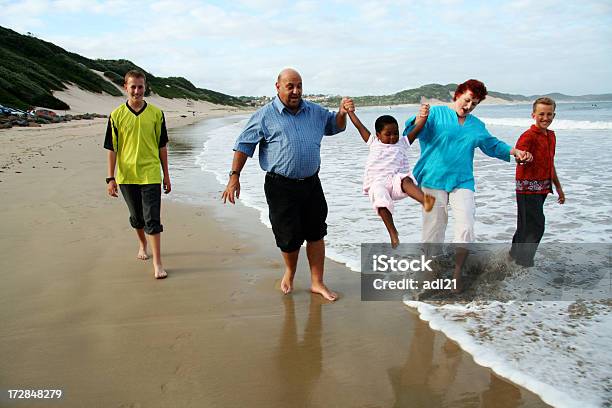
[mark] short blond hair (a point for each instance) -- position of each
(544, 101)
(134, 74)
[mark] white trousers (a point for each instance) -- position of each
(464, 211)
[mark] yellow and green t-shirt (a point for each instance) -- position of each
(137, 138)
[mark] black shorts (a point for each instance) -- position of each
(297, 210)
(144, 203)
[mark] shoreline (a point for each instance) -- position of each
(75, 301)
(489, 101)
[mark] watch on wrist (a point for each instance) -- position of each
(109, 179)
(232, 172)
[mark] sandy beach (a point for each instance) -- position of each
(79, 312)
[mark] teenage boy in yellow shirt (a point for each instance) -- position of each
(136, 139)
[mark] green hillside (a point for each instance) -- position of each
(31, 69)
(444, 93)
(429, 91)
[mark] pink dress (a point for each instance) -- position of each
(385, 168)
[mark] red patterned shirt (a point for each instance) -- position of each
(536, 177)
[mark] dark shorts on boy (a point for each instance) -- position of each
(144, 203)
(297, 210)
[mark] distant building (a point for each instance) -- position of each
(255, 101)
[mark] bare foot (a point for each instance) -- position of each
(428, 202)
(287, 283)
(394, 239)
(322, 290)
(142, 254)
(160, 272)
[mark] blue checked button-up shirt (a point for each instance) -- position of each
(289, 144)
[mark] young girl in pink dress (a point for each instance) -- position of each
(387, 177)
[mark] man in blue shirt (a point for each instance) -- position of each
(289, 131)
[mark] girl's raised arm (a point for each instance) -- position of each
(363, 131)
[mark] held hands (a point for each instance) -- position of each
(424, 110)
(232, 189)
(521, 156)
(423, 113)
(346, 105)
(111, 188)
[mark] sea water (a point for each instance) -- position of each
(561, 351)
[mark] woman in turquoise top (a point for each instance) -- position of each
(446, 166)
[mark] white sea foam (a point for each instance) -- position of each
(563, 357)
(559, 350)
(560, 124)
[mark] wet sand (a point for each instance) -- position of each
(79, 312)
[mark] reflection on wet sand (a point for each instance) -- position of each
(434, 375)
(436, 372)
(299, 362)
(414, 387)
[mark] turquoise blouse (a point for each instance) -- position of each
(447, 149)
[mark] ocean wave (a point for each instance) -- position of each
(560, 124)
(545, 347)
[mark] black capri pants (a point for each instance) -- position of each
(144, 203)
(297, 210)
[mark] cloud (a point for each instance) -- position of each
(341, 46)
(23, 16)
(305, 7)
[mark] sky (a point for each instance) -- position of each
(340, 47)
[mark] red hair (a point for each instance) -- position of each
(475, 86)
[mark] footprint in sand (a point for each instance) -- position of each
(179, 369)
(235, 295)
(179, 340)
(182, 372)
(251, 278)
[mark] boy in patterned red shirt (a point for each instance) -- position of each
(534, 182)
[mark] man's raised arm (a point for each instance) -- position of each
(341, 115)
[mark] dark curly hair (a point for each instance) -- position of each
(383, 120)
